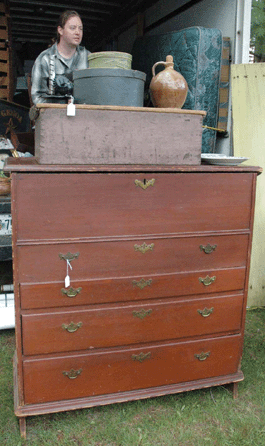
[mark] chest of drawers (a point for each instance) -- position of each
(158, 259)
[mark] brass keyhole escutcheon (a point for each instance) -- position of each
(72, 327)
(72, 374)
(142, 313)
(202, 356)
(144, 247)
(207, 280)
(142, 283)
(69, 256)
(141, 357)
(208, 249)
(145, 183)
(71, 292)
(205, 312)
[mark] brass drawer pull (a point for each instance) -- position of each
(208, 248)
(71, 292)
(144, 247)
(144, 184)
(141, 357)
(72, 374)
(205, 312)
(202, 356)
(142, 313)
(69, 256)
(72, 327)
(207, 280)
(142, 283)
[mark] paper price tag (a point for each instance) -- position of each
(67, 277)
(67, 281)
(70, 109)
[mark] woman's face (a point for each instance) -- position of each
(72, 32)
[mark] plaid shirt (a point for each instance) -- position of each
(40, 70)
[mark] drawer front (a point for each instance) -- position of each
(74, 330)
(134, 288)
(95, 205)
(43, 263)
(82, 375)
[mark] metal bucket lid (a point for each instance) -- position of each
(108, 72)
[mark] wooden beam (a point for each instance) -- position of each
(140, 24)
(3, 55)
(177, 10)
(4, 68)
(4, 82)
(3, 21)
(3, 34)
(62, 6)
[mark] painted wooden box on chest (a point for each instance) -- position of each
(100, 134)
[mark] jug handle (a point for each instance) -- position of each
(169, 62)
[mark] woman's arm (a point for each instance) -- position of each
(40, 79)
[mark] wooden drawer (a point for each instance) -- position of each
(134, 288)
(76, 329)
(117, 370)
(66, 206)
(42, 263)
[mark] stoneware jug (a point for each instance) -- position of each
(168, 89)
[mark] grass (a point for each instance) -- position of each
(198, 418)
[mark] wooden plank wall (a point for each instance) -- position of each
(248, 111)
(6, 75)
(224, 85)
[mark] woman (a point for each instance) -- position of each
(52, 72)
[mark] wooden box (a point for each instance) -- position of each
(117, 135)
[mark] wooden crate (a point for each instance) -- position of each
(117, 135)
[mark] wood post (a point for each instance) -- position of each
(6, 68)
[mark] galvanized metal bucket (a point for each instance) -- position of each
(105, 86)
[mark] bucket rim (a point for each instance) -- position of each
(108, 72)
(107, 54)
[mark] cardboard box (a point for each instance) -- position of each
(117, 135)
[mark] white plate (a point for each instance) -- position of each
(222, 160)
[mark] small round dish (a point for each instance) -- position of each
(222, 160)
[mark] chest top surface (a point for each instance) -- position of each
(30, 165)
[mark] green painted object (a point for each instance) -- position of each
(110, 59)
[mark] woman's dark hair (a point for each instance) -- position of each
(64, 17)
